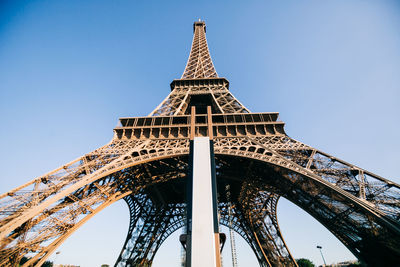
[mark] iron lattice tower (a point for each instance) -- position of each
(146, 164)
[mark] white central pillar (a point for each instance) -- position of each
(204, 236)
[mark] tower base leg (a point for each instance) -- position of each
(203, 239)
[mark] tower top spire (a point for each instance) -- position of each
(199, 23)
(199, 64)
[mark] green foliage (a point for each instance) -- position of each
(305, 263)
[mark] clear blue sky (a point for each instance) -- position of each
(69, 69)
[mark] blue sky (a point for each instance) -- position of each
(70, 69)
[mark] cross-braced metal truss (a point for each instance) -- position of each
(146, 164)
(185, 92)
(199, 64)
(155, 214)
(38, 220)
(151, 223)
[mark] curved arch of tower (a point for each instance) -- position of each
(147, 164)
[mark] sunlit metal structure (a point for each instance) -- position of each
(146, 164)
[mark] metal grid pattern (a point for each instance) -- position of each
(199, 64)
(146, 165)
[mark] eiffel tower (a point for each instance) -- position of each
(256, 162)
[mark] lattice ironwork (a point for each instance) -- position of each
(146, 164)
(199, 64)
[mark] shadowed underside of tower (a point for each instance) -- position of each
(146, 164)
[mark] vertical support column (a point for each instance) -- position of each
(361, 184)
(202, 243)
(192, 122)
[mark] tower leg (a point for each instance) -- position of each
(202, 247)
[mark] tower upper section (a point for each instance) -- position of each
(199, 86)
(199, 64)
